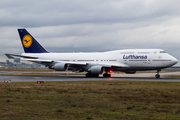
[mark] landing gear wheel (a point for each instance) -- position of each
(88, 75)
(157, 76)
(106, 75)
(94, 75)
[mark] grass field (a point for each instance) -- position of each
(98, 100)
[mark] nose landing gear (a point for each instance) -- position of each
(157, 75)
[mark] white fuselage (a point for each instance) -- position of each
(120, 60)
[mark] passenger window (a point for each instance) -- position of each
(162, 52)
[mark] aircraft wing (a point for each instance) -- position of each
(47, 62)
(40, 61)
(14, 56)
(51, 61)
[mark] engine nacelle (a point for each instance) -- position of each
(60, 67)
(130, 72)
(96, 70)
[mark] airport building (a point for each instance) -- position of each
(18, 64)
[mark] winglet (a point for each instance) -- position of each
(29, 43)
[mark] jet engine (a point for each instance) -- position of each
(130, 72)
(60, 67)
(96, 70)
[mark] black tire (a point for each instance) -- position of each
(106, 75)
(109, 75)
(95, 75)
(157, 76)
(88, 75)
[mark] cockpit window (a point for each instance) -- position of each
(162, 51)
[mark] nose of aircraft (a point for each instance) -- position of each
(174, 60)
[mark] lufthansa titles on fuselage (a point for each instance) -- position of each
(134, 56)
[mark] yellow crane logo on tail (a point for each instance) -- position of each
(27, 41)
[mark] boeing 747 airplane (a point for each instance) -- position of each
(127, 60)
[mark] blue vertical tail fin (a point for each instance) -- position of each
(29, 43)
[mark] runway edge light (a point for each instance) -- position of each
(8, 81)
(40, 82)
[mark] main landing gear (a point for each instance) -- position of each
(106, 74)
(157, 75)
(97, 75)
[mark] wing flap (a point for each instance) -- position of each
(36, 60)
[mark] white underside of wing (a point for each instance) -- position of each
(36, 60)
(74, 63)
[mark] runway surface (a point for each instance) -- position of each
(35, 78)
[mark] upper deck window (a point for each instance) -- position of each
(162, 51)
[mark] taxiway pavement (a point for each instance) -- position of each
(50, 78)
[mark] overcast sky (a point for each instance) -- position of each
(91, 25)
